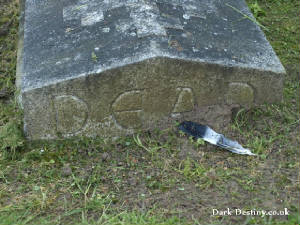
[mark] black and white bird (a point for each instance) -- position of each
(207, 134)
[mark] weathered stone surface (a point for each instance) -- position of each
(108, 67)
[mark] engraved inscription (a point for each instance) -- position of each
(185, 100)
(240, 93)
(127, 109)
(70, 113)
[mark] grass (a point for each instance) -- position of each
(159, 177)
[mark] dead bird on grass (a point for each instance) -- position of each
(207, 134)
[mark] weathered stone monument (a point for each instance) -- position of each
(109, 67)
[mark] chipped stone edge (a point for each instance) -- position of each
(137, 59)
(20, 52)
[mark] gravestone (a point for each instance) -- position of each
(111, 67)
